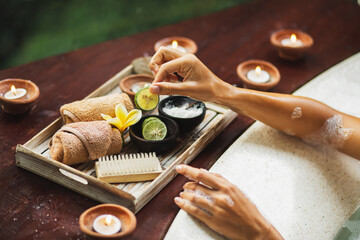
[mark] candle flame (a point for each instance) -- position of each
(257, 70)
(174, 44)
(13, 89)
(293, 38)
(108, 220)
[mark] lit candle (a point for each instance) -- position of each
(176, 46)
(107, 224)
(257, 75)
(15, 93)
(292, 41)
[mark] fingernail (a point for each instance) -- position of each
(154, 89)
(179, 168)
(178, 200)
(181, 194)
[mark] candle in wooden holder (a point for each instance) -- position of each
(18, 95)
(134, 83)
(180, 43)
(258, 74)
(291, 44)
(107, 221)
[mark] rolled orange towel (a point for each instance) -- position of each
(90, 109)
(84, 141)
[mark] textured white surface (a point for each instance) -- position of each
(306, 192)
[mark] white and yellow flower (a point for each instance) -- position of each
(123, 119)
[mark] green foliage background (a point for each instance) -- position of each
(35, 29)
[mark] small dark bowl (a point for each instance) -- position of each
(185, 124)
(155, 146)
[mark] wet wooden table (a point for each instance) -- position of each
(32, 207)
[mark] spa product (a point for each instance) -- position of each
(183, 111)
(128, 168)
(84, 141)
(90, 109)
(145, 100)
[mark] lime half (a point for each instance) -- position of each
(145, 100)
(149, 119)
(154, 130)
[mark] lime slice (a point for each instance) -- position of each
(145, 100)
(149, 119)
(154, 130)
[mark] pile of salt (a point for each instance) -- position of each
(183, 111)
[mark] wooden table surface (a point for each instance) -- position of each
(32, 207)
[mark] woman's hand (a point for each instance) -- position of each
(222, 206)
(198, 81)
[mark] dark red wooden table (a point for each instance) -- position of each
(32, 207)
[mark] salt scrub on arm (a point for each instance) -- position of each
(183, 111)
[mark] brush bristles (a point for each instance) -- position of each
(128, 164)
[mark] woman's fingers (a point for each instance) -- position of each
(164, 54)
(179, 65)
(200, 175)
(200, 199)
(193, 210)
(193, 186)
(170, 88)
(216, 197)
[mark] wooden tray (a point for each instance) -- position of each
(34, 156)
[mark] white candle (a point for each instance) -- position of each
(107, 224)
(15, 93)
(292, 41)
(177, 47)
(257, 75)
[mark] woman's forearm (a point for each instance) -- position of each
(302, 117)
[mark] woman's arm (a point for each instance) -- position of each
(302, 117)
(306, 118)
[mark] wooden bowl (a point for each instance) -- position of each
(20, 105)
(291, 53)
(154, 146)
(127, 218)
(186, 43)
(128, 83)
(244, 67)
(185, 124)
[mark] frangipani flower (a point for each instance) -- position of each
(123, 118)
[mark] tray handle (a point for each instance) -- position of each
(73, 176)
